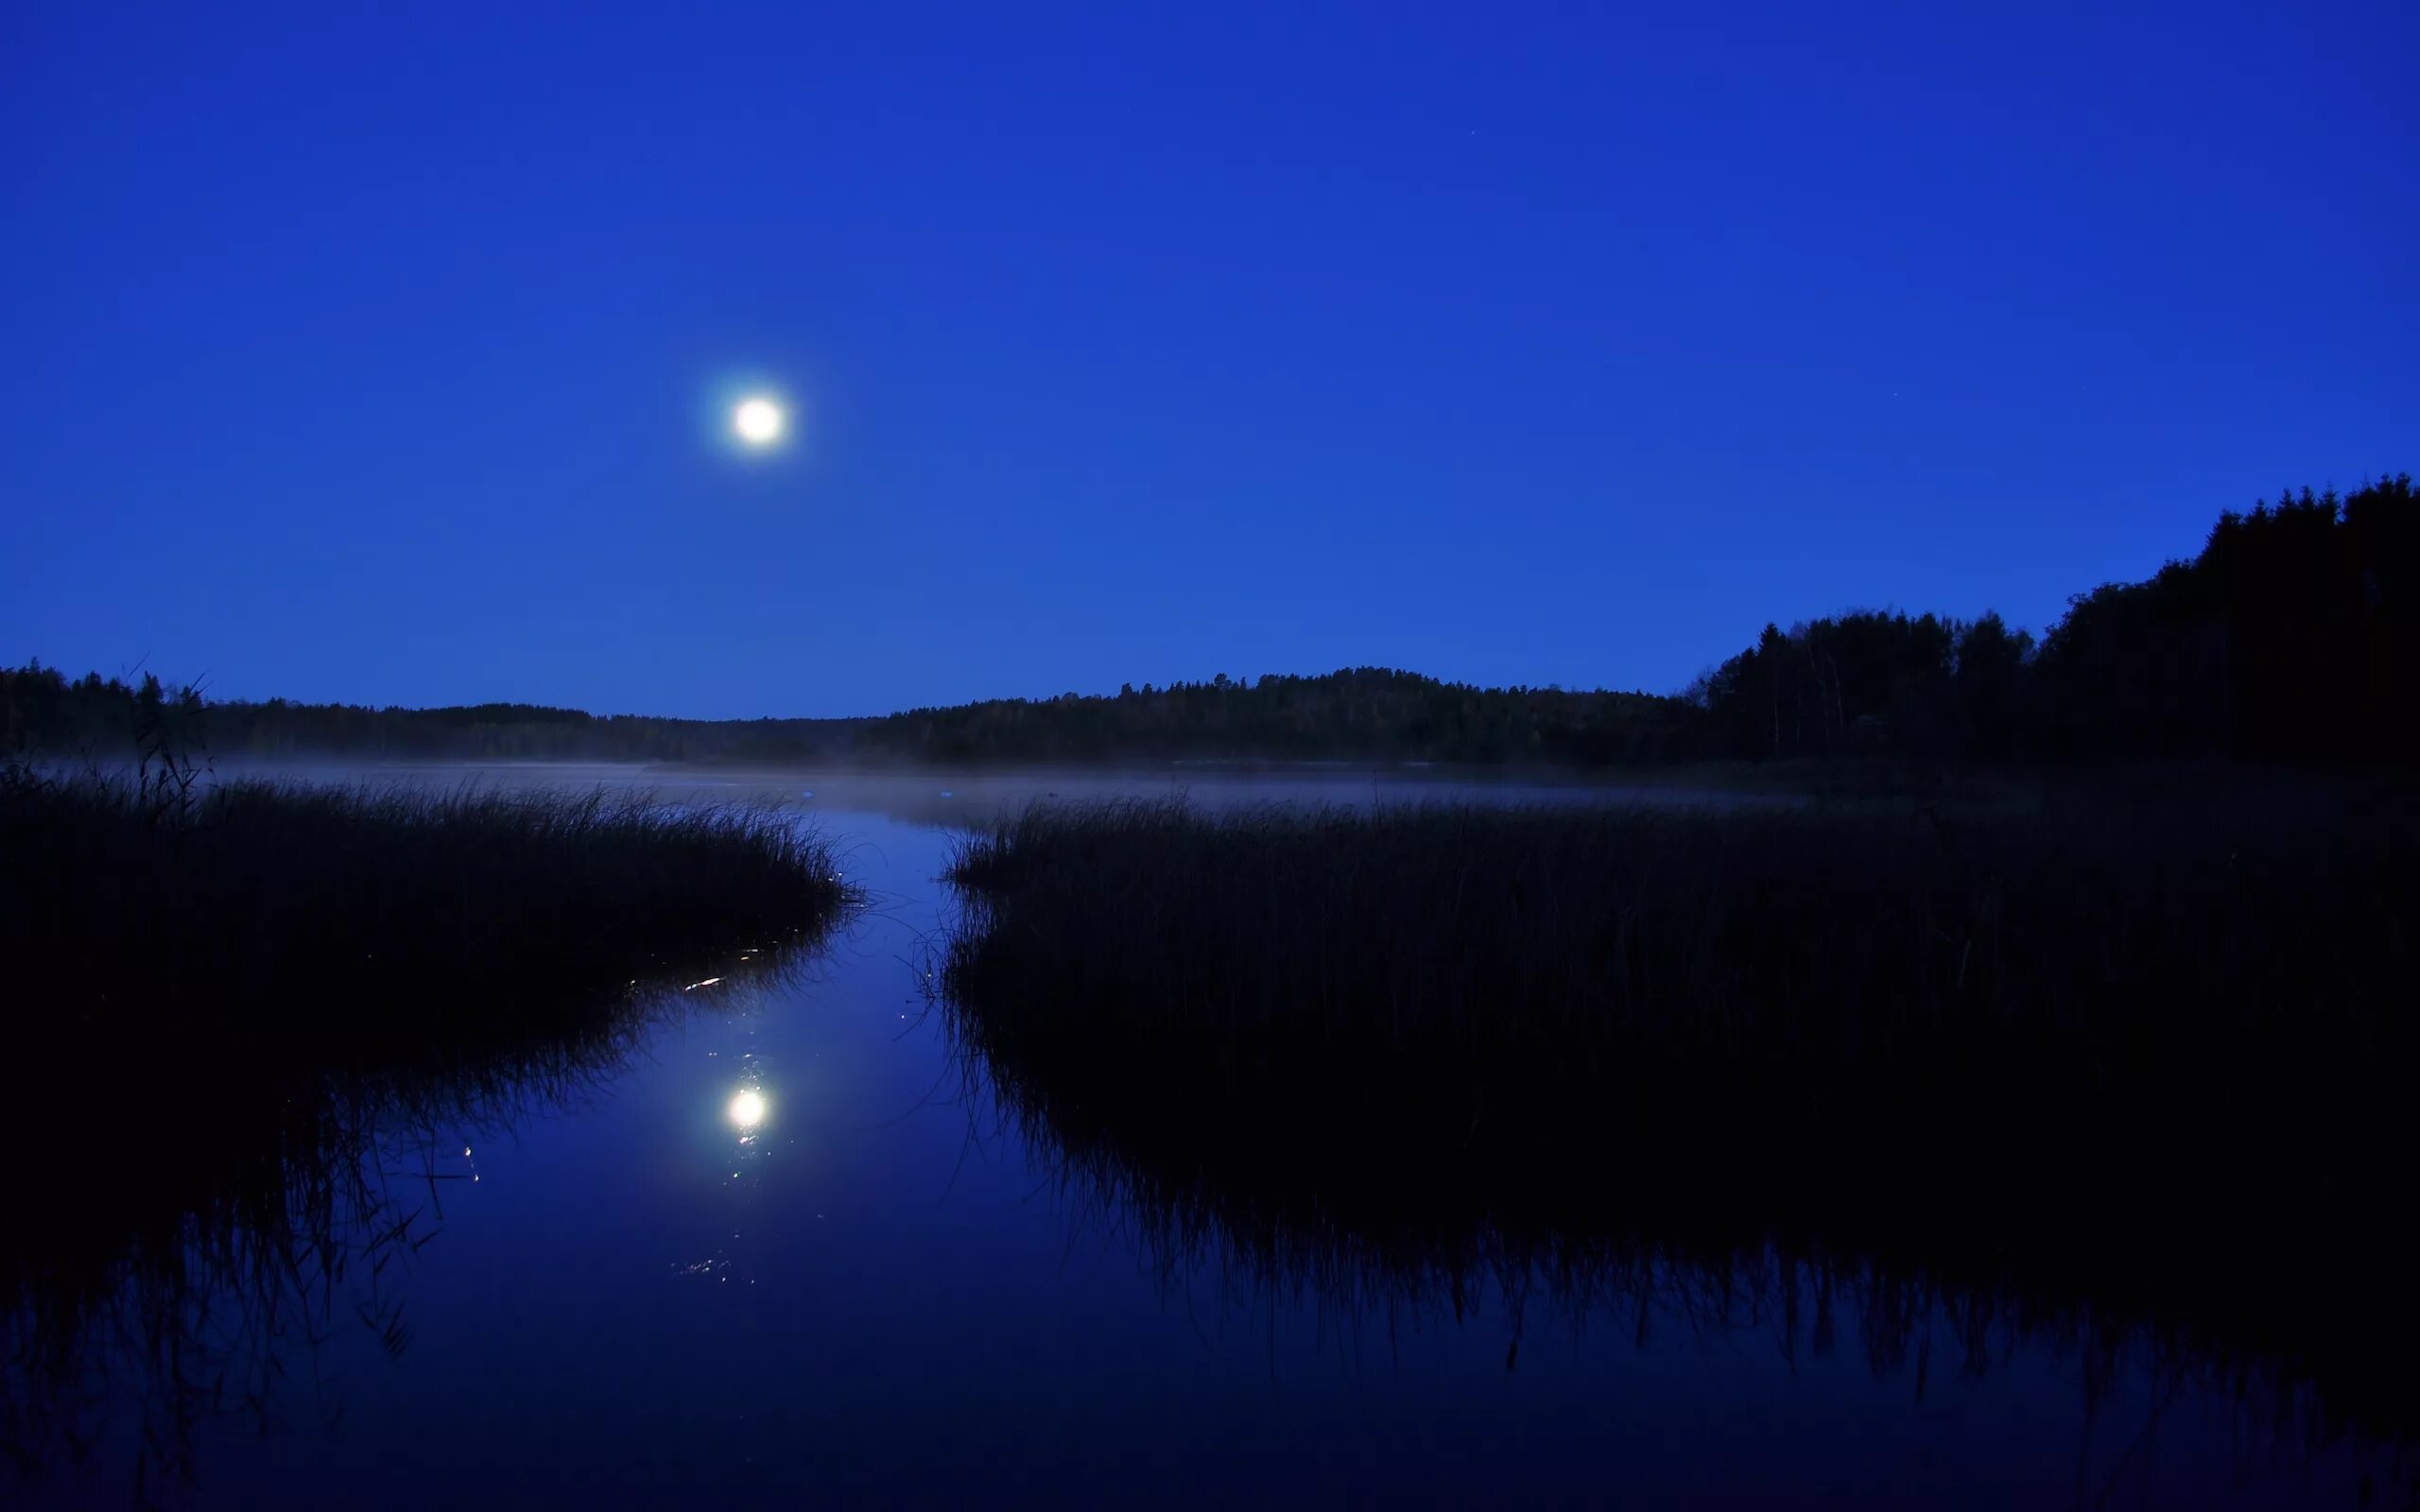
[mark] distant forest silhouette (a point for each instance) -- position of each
(2289, 637)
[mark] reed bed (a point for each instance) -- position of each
(1459, 964)
(242, 1016)
(350, 925)
(2142, 1055)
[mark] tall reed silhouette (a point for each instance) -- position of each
(249, 1017)
(2146, 1060)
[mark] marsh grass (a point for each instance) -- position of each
(2149, 1056)
(344, 925)
(1450, 963)
(246, 1020)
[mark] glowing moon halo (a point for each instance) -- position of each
(747, 1110)
(758, 421)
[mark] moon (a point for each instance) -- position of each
(747, 1110)
(758, 421)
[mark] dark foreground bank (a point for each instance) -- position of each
(350, 925)
(2146, 1059)
(262, 1010)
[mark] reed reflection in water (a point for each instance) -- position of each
(195, 1249)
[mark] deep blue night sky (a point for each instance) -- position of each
(379, 358)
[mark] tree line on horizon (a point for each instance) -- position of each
(44, 711)
(2287, 638)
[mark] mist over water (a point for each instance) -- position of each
(787, 1244)
(942, 796)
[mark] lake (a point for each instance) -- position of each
(786, 1250)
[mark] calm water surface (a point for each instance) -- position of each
(873, 1295)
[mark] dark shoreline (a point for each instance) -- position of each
(255, 1009)
(2142, 1062)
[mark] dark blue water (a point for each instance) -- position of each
(873, 1295)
